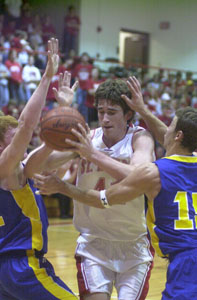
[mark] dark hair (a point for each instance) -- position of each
(187, 123)
(112, 89)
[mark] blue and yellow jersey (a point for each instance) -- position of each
(23, 220)
(172, 215)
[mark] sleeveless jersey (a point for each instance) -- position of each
(119, 222)
(172, 215)
(23, 220)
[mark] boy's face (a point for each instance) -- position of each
(112, 120)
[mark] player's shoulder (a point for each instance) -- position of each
(140, 132)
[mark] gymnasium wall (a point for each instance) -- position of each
(175, 47)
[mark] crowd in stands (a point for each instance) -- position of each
(23, 43)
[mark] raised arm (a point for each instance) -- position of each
(30, 116)
(43, 158)
(157, 127)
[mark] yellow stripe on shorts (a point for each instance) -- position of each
(51, 286)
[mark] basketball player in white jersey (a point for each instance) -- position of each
(113, 247)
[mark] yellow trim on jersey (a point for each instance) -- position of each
(150, 219)
(187, 159)
(2, 223)
(27, 202)
(46, 280)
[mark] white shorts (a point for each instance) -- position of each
(95, 278)
(118, 256)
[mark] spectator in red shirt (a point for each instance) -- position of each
(15, 82)
(48, 30)
(71, 31)
(92, 85)
(82, 73)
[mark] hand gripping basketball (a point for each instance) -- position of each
(56, 126)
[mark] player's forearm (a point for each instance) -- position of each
(120, 194)
(56, 159)
(45, 159)
(134, 185)
(89, 197)
(157, 127)
(32, 111)
(37, 161)
(116, 169)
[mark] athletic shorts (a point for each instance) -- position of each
(27, 277)
(95, 278)
(182, 277)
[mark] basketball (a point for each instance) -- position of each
(56, 126)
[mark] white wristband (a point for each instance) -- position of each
(103, 199)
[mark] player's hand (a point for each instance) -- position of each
(64, 95)
(136, 103)
(47, 184)
(53, 58)
(84, 147)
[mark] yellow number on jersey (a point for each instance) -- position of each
(184, 222)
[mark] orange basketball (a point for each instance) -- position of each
(56, 126)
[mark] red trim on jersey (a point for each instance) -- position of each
(145, 284)
(81, 278)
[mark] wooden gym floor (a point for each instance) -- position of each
(62, 241)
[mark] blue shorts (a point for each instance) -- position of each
(181, 277)
(27, 277)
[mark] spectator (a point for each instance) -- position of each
(4, 91)
(31, 77)
(82, 73)
(5, 44)
(23, 55)
(71, 30)
(48, 30)
(167, 114)
(92, 85)
(15, 83)
(36, 35)
(154, 82)
(13, 8)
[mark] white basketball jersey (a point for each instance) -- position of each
(119, 222)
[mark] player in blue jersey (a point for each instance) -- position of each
(24, 272)
(170, 185)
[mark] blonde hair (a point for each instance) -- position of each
(5, 123)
